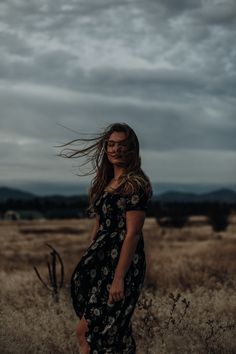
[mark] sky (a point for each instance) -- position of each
(165, 67)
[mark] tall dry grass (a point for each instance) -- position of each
(188, 303)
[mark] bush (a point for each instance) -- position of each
(218, 217)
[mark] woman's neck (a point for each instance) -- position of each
(118, 171)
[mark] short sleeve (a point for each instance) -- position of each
(137, 201)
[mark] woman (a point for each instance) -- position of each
(107, 281)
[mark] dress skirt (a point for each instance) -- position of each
(109, 324)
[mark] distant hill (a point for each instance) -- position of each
(7, 193)
(223, 195)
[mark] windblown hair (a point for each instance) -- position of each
(130, 181)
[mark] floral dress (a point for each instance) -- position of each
(109, 324)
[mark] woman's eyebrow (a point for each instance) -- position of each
(118, 141)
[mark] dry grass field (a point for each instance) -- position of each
(188, 303)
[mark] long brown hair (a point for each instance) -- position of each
(130, 181)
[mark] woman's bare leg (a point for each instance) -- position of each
(81, 329)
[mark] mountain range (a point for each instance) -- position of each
(223, 195)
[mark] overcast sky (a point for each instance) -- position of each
(166, 67)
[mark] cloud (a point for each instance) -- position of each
(167, 68)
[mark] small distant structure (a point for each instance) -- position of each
(11, 215)
(14, 215)
(31, 215)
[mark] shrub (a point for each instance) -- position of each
(218, 216)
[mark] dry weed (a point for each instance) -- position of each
(187, 305)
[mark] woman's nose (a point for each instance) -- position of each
(117, 148)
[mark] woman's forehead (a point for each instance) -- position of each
(117, 137)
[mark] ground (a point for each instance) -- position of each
(187, 304)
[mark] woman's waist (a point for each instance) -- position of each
(113, 231)
(105, 228)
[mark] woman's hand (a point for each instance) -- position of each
(116, 292)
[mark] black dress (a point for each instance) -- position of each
(109, 324)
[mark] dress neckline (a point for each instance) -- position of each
(108, 192)
(114, 190)
(105, 191)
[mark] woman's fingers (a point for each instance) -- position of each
(116, 290)
(115, 297)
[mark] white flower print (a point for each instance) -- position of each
(99, 268)
(136, 258)
(117, 313)
(94, 289)
(105, 270)
(93, 273)
(121, 223)
(134, 199)
(121, 203)
(128, 310)
(87, 260)
(97, 203)
(122, 235)
(75, 276)
(105, 329)
(114, 253)
(104, 208)
(94, 246)
(102, 237)
(93, 299)
(77, 282)
(108, 222)
(111, 320)
(96, 312)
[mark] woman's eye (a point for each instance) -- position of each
(121, 145)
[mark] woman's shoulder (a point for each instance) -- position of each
(140, 184)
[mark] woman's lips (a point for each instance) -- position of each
(116, 156)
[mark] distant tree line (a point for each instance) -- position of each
(177, 214)
(49, 207)
(167, 214)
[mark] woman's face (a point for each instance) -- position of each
(117, 146)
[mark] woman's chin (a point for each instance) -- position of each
(117, 161)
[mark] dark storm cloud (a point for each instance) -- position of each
(86, 64)
(181, 128)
